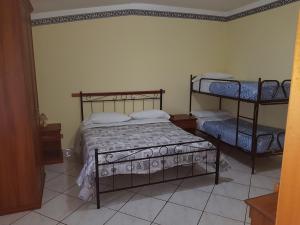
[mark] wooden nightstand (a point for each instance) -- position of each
(184, 121)
(51, 143)
(263, 209)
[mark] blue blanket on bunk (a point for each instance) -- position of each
(226, 129)
(249, 90)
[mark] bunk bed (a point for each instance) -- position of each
(242, 132)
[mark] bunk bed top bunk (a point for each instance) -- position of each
(264, 92)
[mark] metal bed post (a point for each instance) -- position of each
(97, 179)
(254, 126)
(218, 160)
(238, 115)
(160, 98)
(220, 103)
(81, 106)
(191, 92)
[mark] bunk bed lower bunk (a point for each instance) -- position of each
(269, 139)
(241, 132)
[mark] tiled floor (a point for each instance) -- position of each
(195, 201)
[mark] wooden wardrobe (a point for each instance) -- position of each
(21, 171)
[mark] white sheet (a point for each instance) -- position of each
(201, 121)
(87, 124)
(205, 84)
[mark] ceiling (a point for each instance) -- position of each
(212, 5)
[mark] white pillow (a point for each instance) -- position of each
(208, 114)
(108, 117)
(150, 114)
(213, 76)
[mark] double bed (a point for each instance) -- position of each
(145, 146)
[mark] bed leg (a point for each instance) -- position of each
(253, 164)
(98, 201)
(217, 163)
(97, 179)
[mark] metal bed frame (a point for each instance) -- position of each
(102, 159)
(254, 119)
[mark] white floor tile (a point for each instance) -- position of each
(10, 218)
(48, 195)
(236, 177)
(189, 197)
(115, 200)
(240, 162)
(35, 219)
(264, 165)
(75, 172)
(60, 207)
(232, 190)
(143, 207)
(203, 183)
(275, 173)
(210, 219)
(263, 182)
(160, 191)
(50, 175)
(227, 207)
(248, 219)
(61, 183)
(255, 192)
(88, 214)
(122, 219)
(73, 191)
(60, 167)
(178, 215)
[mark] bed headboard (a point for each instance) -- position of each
(128, 101)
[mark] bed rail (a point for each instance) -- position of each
(279, 135)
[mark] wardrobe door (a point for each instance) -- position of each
(32, 95)
(20, 164)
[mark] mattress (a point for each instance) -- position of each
(271, 141)
(135, 134)
(249, 89)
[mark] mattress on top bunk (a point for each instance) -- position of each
(249, 89)
(226, 129)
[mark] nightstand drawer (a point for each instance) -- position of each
(190, 124)
(48, 145)
(185, 122)
(51, 138)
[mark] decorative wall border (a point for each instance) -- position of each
(155, 13)
(124, 12)
(260, 9)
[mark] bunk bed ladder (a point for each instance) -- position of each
(254, 121)
(238, 115)
(254, 125)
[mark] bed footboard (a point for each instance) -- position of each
(154, 162)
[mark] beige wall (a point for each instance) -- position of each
(262, 45)
(143, 53)
(124, 53)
